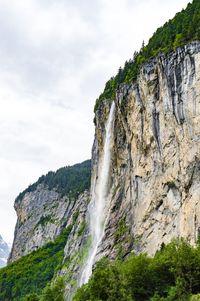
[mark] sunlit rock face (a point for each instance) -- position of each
(4, 252)
(152, 192)
(155, 168)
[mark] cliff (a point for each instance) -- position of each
(154, 178)
(145, 180)
(151, 188)
(42, 215)
(151, 184)
(47, 207)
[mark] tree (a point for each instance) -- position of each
(54, 291)
(32, 297)
(178, 40)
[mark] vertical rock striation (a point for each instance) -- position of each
(55, 202)
(154, 172)
(155, 168)
(42, 215)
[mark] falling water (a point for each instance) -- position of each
(97, 212)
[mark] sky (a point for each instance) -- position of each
(55, 57)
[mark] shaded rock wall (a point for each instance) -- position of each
(41, 216)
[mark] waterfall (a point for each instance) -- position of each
(99, 206)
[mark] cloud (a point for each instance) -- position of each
(55, 57)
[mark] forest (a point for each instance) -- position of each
(173, 274)
(68, 181)
(182, 29)
(30, 276)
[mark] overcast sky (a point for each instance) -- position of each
(55, 57)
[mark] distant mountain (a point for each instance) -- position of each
(4, 252)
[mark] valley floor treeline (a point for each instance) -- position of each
(33, 272)
(173, 274)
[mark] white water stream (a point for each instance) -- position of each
(99, 206)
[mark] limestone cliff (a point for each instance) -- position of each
(47, 207)
(42, 215)
(155, 173)
(154, 180)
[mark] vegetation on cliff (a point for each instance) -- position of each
(172, 275)
(31, 273)
(69, 180)
(183, 28)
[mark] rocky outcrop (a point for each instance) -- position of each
(55, 202)
(155, 173)
(42, 215)
(77, 247)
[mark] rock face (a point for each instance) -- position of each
(56, 202)
(42, 215)
(4, 252)
(154, 181)
(155, 173)
(48, 206)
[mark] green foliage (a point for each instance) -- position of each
(45, 220)
(70, 180)
(75, 216)
(121, 230)
(32, 297)
(106, 283)
(54, 291)
(121, 236)
(172, 275)
(183, 28)
(195, 298)
(82, 228)
(31, 273)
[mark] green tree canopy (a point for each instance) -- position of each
(183, 28)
